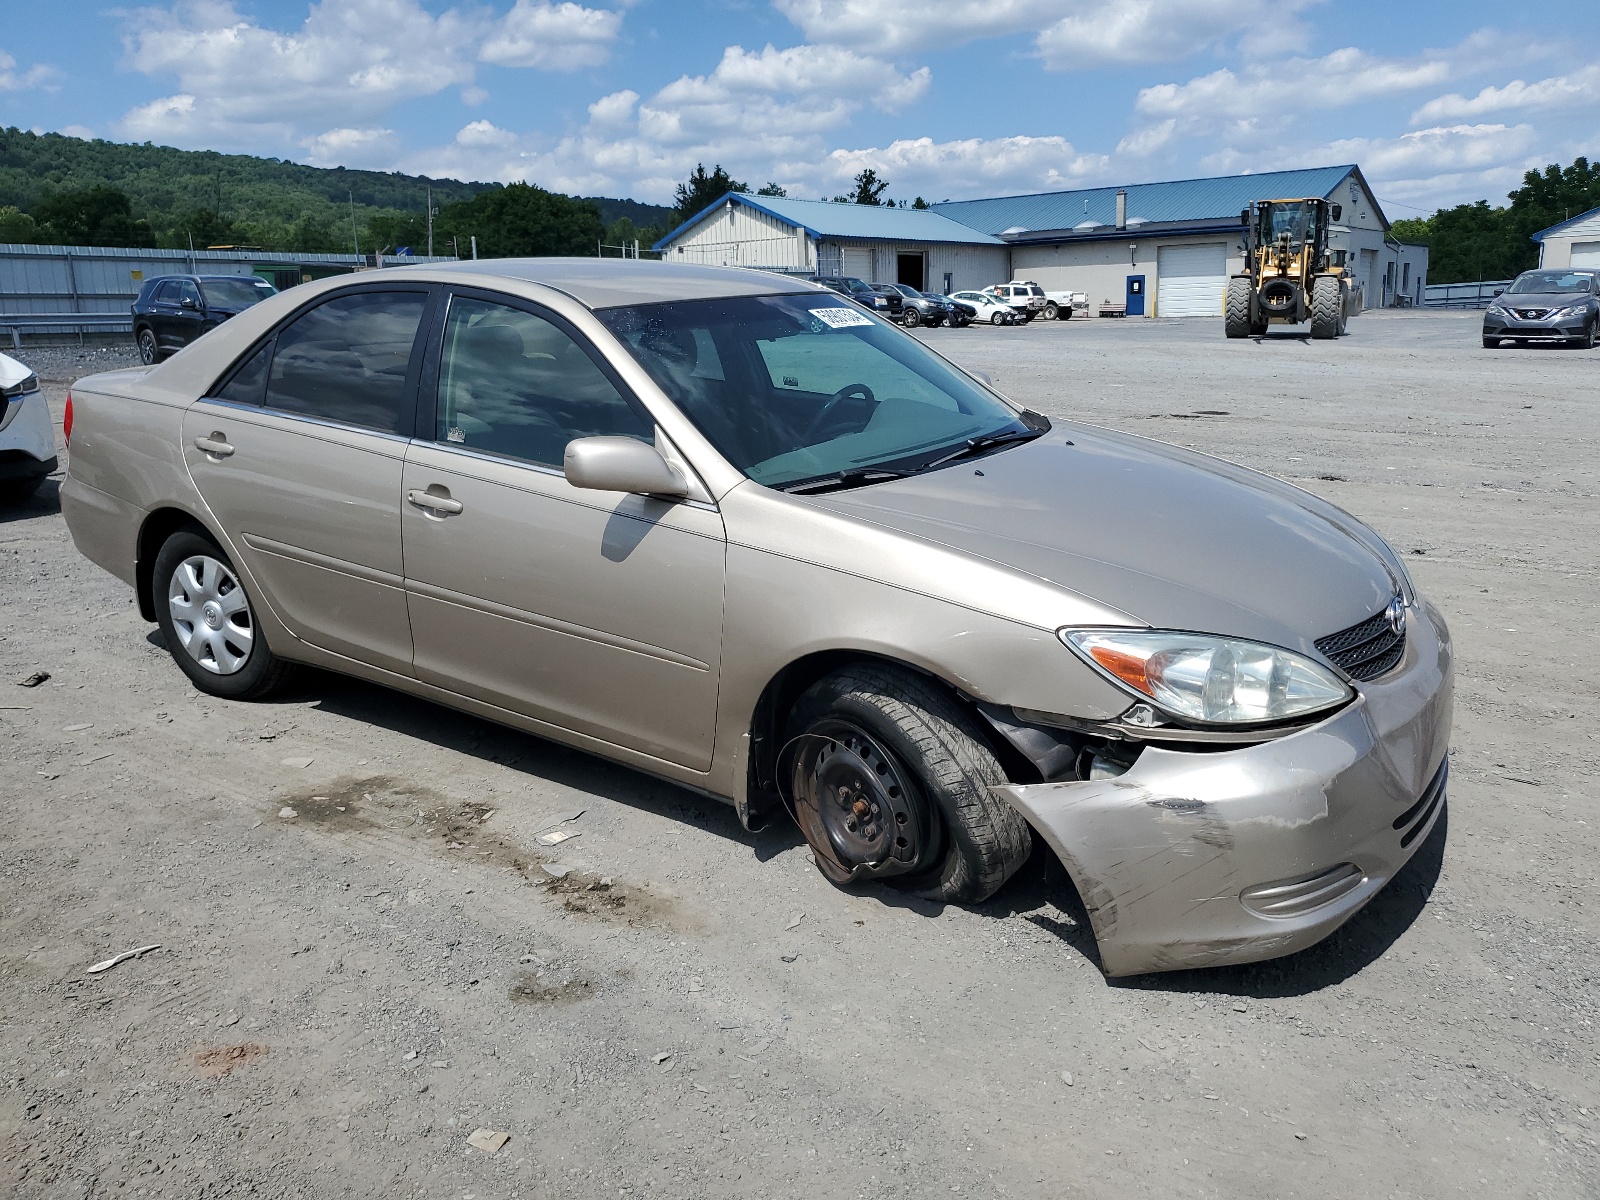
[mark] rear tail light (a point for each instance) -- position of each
(66, 422)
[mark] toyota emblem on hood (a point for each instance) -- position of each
(1396, 614)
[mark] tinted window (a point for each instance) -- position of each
(249, 381)
(188, 293)
(515, 384)
(346, 360)
(236, 293)
(1549, 282)
(167, 293)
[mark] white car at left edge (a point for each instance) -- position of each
(27, 435)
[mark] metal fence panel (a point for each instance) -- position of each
(1463, 295)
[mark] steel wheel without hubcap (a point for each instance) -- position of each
(149, 352)
(860, 812)
(211, 614)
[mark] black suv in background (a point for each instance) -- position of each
(918, 308)
(173, 310)
(862, 293)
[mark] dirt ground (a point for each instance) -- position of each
(342, 996)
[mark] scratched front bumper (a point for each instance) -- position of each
(1162, 855)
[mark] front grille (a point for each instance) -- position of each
(1532, 314)
(1367, 650)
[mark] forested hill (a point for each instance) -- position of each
(178, 194)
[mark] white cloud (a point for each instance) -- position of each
(484, 133)
(613, 111)
(555, 37)
(1344, 77)
(241, 83)
(14, 80)
(82, 132)
(1067, 33)
(350, 148)
(1581, 89)
(966, 167)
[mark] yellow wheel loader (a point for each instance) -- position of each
(1290, 275)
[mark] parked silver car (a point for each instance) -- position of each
(1544, 306)
(731, 529)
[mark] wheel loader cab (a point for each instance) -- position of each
(1289, 273)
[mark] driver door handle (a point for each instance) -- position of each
(217, 444)
(434, 501)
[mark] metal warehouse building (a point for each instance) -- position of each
(1574, 243)
(813, 237)
(1163, 249)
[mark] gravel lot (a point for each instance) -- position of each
(342, 997)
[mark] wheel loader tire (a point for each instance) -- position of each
(1327, 308)
(1236, 316)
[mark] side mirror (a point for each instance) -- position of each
(621, 464)
(1244, 218)
(1336, 211)
(188, 302)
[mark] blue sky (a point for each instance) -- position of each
(1438, 102)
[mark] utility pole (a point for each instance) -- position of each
(354, 237)
(430, 222)
(474, 247)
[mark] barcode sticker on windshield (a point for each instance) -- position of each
(840, 318)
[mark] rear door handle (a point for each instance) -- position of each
(434, 501)
(216, 444)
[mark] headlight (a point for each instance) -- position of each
(1204, 678)
(1575, 310)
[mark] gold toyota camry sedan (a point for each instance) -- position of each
(734, 530)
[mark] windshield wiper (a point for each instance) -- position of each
(851, 477)
(978, 445)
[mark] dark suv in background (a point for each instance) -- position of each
(862, 293)
(918, 308)
(173, 310)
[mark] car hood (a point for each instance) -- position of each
(1177, 539)
(1543, 299)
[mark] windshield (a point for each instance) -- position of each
(1551, 281)
(236, 293)
(796, 388)
(1279, 219)
(905, 289)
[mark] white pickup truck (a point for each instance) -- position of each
(1061, 305)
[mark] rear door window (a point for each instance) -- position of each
(348, 359)
(515, 384)
(167, 293)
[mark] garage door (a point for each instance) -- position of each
(1586, 254)
(858, 263)
(1193, 280)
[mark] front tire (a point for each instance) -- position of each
(208, 622)
(149, 348)
(1327, 308)
(1236, 314)
(911, 318)
(1491, 343)
(997, 319)
(863, 732)
(1051, 311)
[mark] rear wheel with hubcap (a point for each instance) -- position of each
(149, 349)
(890, 777)
(207, 620)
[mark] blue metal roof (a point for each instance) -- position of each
(824, 219)
(1156, 203)
(1544, 233)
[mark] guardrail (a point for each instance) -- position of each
(69, 322)
(1463, 295)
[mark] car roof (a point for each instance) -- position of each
(615, 282)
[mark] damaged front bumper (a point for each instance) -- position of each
(1205, 858)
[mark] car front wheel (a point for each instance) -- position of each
(997, 319)
(911, 318)
(149, 349)
(1491, 343)
(208, 622)
(890, 777)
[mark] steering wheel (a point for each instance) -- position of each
(820, 421)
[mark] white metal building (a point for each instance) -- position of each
(1167, 249)
(1163, 249)
(1573, 243)
(814, 237)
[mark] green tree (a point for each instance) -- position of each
(17, 227)
(522, 220)
(776, 191)
(622, 232)
(206, 228)
(1416, 230)
(313, 235)
(387, 232)
(96, 216)
(703, 189)
(919, 202)
(869, 189)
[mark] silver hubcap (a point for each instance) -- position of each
(211, 615)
